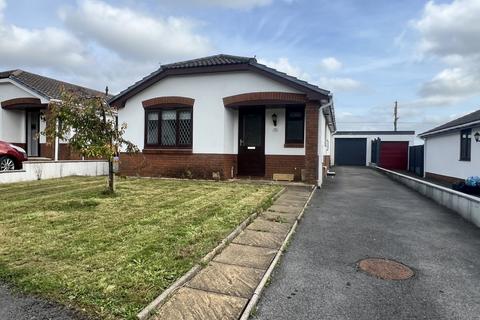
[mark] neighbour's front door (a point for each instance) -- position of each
(251, 142)
(33, 132)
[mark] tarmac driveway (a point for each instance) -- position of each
(359, 214)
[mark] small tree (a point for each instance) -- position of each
(90, 126)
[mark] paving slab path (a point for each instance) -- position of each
(359, 214)
(223, 288)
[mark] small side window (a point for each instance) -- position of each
(294, 125)
(465, 144)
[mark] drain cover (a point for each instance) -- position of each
(385, 269)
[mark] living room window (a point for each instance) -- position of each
(465, 144)
(294, 125)
(168, 128)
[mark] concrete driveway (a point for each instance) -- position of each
(359, 214)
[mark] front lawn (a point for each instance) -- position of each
(111, 255)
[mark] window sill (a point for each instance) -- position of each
(465, 160)
(167, 151)
(293, 145)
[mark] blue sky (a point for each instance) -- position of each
(369, 53)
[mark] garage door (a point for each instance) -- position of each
(350, 151)
(394, 155)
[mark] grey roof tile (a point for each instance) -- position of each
(471, 117)
(47, 87)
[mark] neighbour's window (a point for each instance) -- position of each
(169, 128)
(294, 125)
(465, 144)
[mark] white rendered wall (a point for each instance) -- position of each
(214, 126)
(39, 170)
(12, 122)
(275, 136)
(442, 154)
(387, 137)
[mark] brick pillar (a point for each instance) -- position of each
(311, 141)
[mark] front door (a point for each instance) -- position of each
(251, 142)
(33, 132)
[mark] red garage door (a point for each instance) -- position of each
(394, 155)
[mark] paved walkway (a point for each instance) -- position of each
(223, 288)
(359, 214)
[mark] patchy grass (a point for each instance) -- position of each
(110, 255)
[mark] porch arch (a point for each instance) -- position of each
(253, 98)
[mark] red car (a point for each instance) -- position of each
(11, 156)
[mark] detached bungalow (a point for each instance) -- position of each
(452, 150)
(24, 97)
(224, 117)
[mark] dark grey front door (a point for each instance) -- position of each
(251, 142)
(33, 133)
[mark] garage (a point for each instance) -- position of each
(394, 155)
(351, 151)
(387, 149)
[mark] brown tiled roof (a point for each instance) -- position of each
(471, 117)
(47, 87)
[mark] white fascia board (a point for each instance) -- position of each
(460, 126)
(43, 99)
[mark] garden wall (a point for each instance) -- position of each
(466, 205)
(40, 170)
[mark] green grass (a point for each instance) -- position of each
(111, 255)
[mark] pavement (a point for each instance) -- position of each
(223, 288)
(361, 213)
(17, 306)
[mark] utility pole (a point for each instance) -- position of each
(395, 116)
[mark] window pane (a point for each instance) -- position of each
(252, 129)
(152, 128)
(295, 131)
(294, 126)
(169, 133)
(185, 128)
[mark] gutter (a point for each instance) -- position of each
(468, 124)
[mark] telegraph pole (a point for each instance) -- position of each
(395, 116)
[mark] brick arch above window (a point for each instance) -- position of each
(264, 98)
(168, 101)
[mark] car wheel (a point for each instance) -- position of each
(6, 164)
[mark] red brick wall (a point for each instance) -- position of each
(284, 164)
(178, 164)
(311, 142)
(188, 165)
(442, 178)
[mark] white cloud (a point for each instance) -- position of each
(330, 64)
(135, 35)
(339, 84)
(234, 4)
(449, 29)
(284, 65)
(39, 47)
(327, 83)
(452, 82)
(451, 32)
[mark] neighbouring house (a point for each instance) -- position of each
(224, 117)
(452, 150)
(387, 149)
(24, 98)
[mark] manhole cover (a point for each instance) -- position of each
(385, 269)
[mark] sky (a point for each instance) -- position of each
(369, 53)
